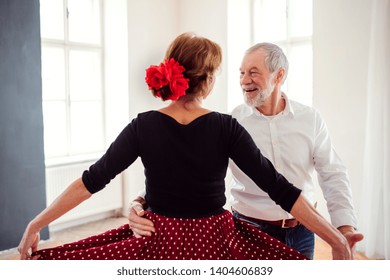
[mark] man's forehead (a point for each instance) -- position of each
(253, 60)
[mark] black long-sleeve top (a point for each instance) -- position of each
(185, 165)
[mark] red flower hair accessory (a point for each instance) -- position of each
(169, 72)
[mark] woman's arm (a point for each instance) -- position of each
(304, 212)
(69, 199)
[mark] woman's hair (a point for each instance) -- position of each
(274, 57)
(199, 56)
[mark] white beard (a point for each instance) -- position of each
(260, 98)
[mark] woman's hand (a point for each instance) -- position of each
(341, 250)
(72, 196)
(352, 237)
(29, 241)
(341, 245)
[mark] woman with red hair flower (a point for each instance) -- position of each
(184, 148)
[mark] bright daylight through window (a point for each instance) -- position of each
(289, 24)
(72, 83)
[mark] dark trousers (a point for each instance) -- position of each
(298, 238)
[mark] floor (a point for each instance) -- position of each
(322, 251)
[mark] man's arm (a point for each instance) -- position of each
(139, 225)
(333, 178)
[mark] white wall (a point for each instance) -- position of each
(152, 26)
(116, 68)
(239, 40)
(209, 19)
(340, 39)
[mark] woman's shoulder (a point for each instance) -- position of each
(147, 114)
(213, 116)
(222, 116)
(227, 121)
(141, 118)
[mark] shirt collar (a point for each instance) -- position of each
(287, 110)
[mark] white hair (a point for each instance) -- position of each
(274, 57)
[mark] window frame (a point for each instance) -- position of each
(67, 46)
(287, 44)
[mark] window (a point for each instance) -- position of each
(288, 23)
(72, 77)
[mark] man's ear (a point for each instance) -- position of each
(280, 75)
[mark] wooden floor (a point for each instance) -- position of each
(322, 249)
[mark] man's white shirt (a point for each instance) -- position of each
(297, 142)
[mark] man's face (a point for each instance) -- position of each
(256, 81)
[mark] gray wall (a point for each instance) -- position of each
(22, 170)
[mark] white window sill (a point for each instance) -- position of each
(63, 161)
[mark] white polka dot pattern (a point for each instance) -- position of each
(213, 238)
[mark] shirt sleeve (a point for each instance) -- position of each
(120, 155)
(333, 178)
(244, 152)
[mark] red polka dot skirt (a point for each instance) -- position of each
(219, 237)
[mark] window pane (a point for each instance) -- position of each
(53, 73)
(86, 127)
(300, 85)
(52, 19)
(85, 79)
(300, 18)
(84, 21)
(269, 18)
(55, 132)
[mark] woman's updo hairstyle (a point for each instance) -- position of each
(199, 56)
